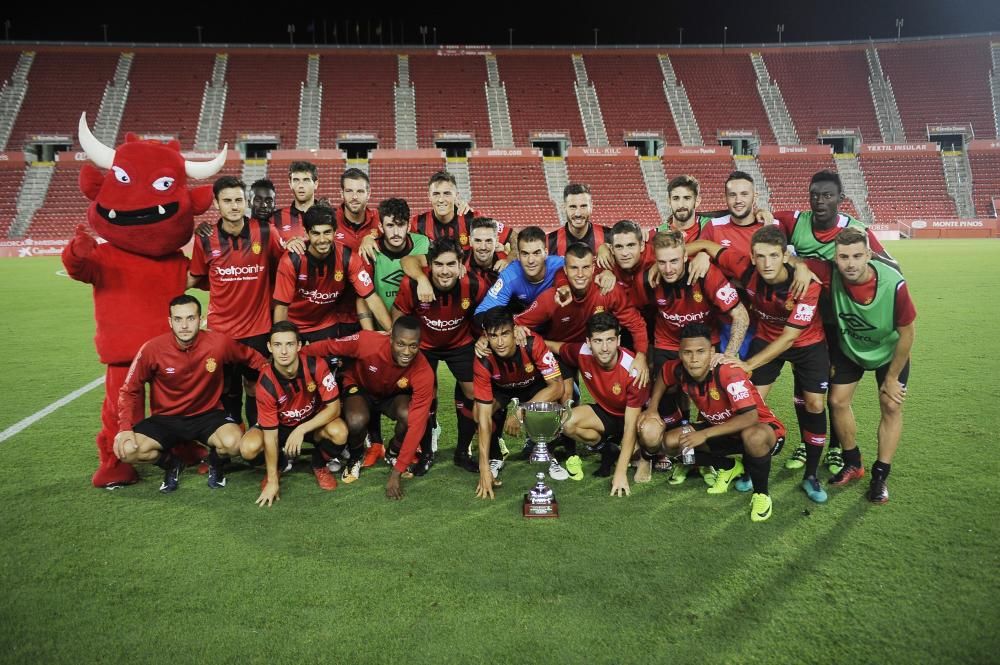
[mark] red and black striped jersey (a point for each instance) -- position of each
(457, 229)
(530, 365)
(312, 288)
(291, 402)
(351, 234)
(447, 321)
(561, 238)
(288, 223)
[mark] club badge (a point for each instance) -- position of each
(403, 382)
(255, 248)
(697, 296)
(311, 387)
(210, 365)
(529, 368)
(339, 275)
(598, 309)
(463, 240)
(617, 389)
(466, 303)
(714, 394)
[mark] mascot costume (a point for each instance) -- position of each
(144, 210)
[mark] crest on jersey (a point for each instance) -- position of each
(210, 365)
(617, 389)
(789, 304)
(529, 368)
(466, 303)
(403, 382)
(697, 296)
(353, 390)
(598, 309)
(311, 387)
(714, 394)
(255, 248)
(463, 240)
(339, 275)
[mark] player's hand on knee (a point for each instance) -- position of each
(125, 444)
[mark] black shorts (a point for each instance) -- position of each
(331, 332)
(614, 426)
(259, 344)
(733, 444)
(523, 395)
(567, 371)
(845, 371)
(660, 358)
(168, 431)
(459, 360)
(376, 405)
(810, 366)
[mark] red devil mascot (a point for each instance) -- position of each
(144, 210)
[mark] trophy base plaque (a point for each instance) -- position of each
(540, 509)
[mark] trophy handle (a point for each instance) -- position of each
(566, 413)
(518, 410)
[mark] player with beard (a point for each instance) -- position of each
(609, 425)
(390, 377)
(298, 402)
(303, 178)
(528, 372)
(735, 419)
(450, 218)
(735, 228)
(483, 259)
(447, 335)
(306, 287)
(355, 220)
(813, 234)
(684, 196)
(578, 207)
(395, 242)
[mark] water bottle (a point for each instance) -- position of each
(687, 454)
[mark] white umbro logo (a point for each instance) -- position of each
(372, 369)
(169, 370)
(588, 375)
(216, 252)
(565, 319)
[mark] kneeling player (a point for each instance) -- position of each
(609, 374)
(391, 377)
(529, 373)
(184, 370)
(297, 400)
(735, 419)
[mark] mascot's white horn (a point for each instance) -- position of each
(97, 152)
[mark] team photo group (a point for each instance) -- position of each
(661, 344)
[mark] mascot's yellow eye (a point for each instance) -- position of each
(120, 175)
(163, 184)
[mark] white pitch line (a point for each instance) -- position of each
(59, 403)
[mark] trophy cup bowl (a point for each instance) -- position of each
(542, 422)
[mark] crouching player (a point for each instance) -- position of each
(736, 420)
(391, 377)
(297, 401)
(529, 373)
(610, 375)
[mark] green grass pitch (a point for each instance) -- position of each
(668, 575)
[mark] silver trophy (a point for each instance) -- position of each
(542, 422)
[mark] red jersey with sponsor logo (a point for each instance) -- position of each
(905, 311)
(239, 270)
(770, 305)
(725, 232)
(378, 374)
(291, 402)
(613, 389)
(678, 304)
(312, 287)
(561, 238)
(350, 234)
(288, 223)
(446, 323)
(726, 392)
(569, 323)
(457, 229)
(182, 381)
(531, 365)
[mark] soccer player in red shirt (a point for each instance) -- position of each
(303, 178)
(527, 372)
(735, 228)
(735, 419)
(237, 259)
(578, 207)
(609, 372)
(447, 335)
(390, 377)
(355, 220)
(875, 318)
(298, 401)
(184, 370)
(787, 329)
(308, 287)
(450, 218)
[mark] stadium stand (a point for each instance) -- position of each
(512, 189)
(357, 96)
(164, 101)
(941, 82)
(903, 187)
(985, 181)
(263, 96)
(46, 109)
(65, 206)
(541, 96)
(616, 186)
(825, 88)
(450, 96)
(404, 174)
(11, 177)
(723, 93)
(630, 88)
(788, 179)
